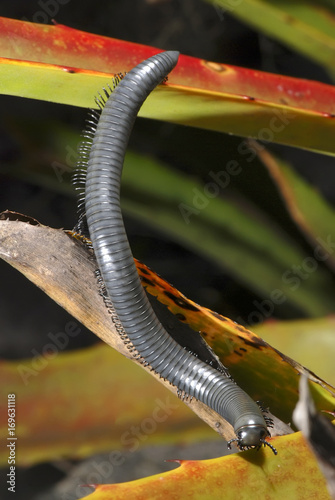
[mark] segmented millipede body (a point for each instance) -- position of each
(137, 322)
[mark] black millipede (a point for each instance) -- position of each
(103, 154)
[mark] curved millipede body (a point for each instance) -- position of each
(137, 321)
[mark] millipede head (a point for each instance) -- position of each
(251, 437)
(244, 447)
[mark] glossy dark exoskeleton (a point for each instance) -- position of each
(107, 138)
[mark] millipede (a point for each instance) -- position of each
(100, 168)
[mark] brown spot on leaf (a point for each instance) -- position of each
(147, 281)
(69, 70)
(240, 328)
(290, 19)
(180, 302)
(143, 269)
(256, 343)
(328, 115)
(218, 316)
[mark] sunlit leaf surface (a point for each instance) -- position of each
(293, 474)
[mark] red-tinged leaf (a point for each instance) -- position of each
(74, 49)
(293, 474)
(75, 65)
(74, 404)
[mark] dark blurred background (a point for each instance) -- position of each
(196, 29)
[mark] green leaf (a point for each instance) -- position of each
(307, 27)
(249, 247)
(311, 212)
(310, 342)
